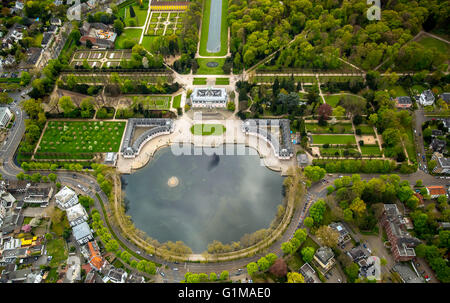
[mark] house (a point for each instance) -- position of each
(19, 5)
(444, 225)
(402, 243)
(82, 233)
(66, 198)
(446, 123)
(436, 191)
(34, 58)
(436, 132)
(407, 274)
(309, 274)
(95, 259)
(5, 116)
(55, 21)
(116, 275)
(344, 236)
(11, 222)
(76, 215)
(19, 275)
(358, 253)
(324, 257)
(426, 98)
(99, 34)
(442, 164)
(11, 243)
(302, 159)
(38, 195)
(46, 39)
(7, 200)
(134, 278)
(438, 145)
(445, 97)
(111, 158)
(17, 186)
(209, 97)
(403, 102)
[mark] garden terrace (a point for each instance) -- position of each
(339, 128)
(75, 139)
(103, 76)
(333, 139)
(158, 127)
(282, 147)
(338, 152)
(165, 23)
(100, 58)
(153, 102)
(371, 150)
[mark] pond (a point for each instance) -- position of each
(215, 22)
(201, 198)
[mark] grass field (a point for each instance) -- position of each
(333, 100)
(365, 129)
(222, 81)
(147, 41)
(440, 46)
(176, 101)
(337, 152)
(410, 146)
(199, 81)
(370, 151)
(271, 79)
(399, 91)
(128, 34)
(76, 137)
(205, 30)
(203, 69)
(153, 102)
(339, 128)
(57, 250)
(208, 129)
(333, 139)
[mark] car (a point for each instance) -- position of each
(138, 252)
(175, 262)
(250, 281)
(427, 278)
(151, 255)
(79, 186)
(417, 264)
(74, 176)
(175, 269)
(339, 280)
(340, 176)
(364, 245)
(162, 274)
(423, 157)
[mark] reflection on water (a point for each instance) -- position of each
(218, 197)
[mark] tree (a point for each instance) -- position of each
(36, 177)
(66, 104)
(212, 276)
(314, 173)
(271, 257)
(5, 98)
(279, 268)
(325, 111)
(252, 268)
(52, 177)
(444, 238)
(295, 277)
(317, 210)
(308, 254)
(224, 275)
(404, 193)
(419, 183)
(231, 106)
(287, 248)
(339, 111)
(352, 272)
(263, 264)
(86, 201)
(442, 199)
(309, 222)
(327, 236)
(20, 176)
(412, 202)
(301, 235)
(358, 206)
(118, 27)
(112, 246)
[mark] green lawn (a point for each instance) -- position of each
(128, 34)
(410, 146)
(333, 139)
(440, 46)
(370, 151)
(366, 129)
(203, 69)
(333, 100)
(205, 30)
(75, 137)
(208, 129)
(57, 250)
(199, 81)
(222, 81)
(176, 101)
(338, 128)
(147, 41)
(399, 91)
(141, 14)
(324, 152)
(153, 102)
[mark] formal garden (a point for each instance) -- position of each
(208, 129)
(152, 102)
(165, 23)
(132, 13)
(78, 138)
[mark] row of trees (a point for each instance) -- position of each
(203, 278)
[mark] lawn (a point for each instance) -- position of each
(366, 129)
(410, 146)
(128, 34)
(153, 102)
(199, 81)
(176, 101)
(399, 91)
(203, 69)
(222, 81)
(57, 250)
(339, 128)
(440, 46)
(208, 129)
(331, 152)
(205, 29)
(333, 100)
(369, 150)
(147, 41)
(76, 137)
(333, 139)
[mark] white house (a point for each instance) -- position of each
(76, 214)
(426, 98)
(5, 116)
(209, 97)
(66, 198)
(82, 233)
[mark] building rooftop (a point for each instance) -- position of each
(81, 230)
(65, 194)
(436, 190)
(404, 100)
(407, 274)
(324, 254)
(75, 212)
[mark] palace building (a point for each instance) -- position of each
(209, 97)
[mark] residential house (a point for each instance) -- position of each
(446, 123)
(82, 233)
(403, 102)
(309, 274)
(66, 198)
(436, 132)
(11, 223)
(95, 259)
(445, 97)
(436, 191)
(76, 214)
(438, 145)
(99, 34)
(442, 164)
(47, 39)
(7, 200)
(344, 236)
(358, 253)
(402, 243)
(116, 275)
(426, 98)
(35, 58)
(134, 278)
(324, 257)
(10, 256)
(38, 195)
(55, 21)
(5, 116)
